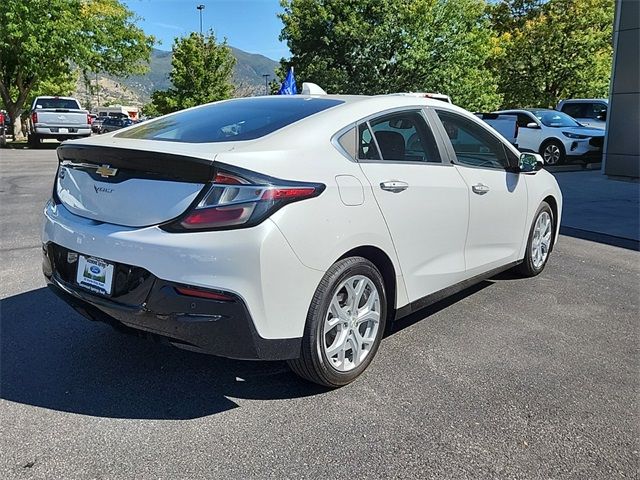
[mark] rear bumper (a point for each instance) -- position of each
(55, 132)
(145, 303)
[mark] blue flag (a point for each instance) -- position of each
(288, 87)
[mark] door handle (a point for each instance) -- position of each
(480, 188)
(394, 186)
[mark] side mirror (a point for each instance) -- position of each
(530, 162)
(532, 125)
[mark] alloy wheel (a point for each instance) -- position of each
(351, 324)
(552, 154)
(541, 241)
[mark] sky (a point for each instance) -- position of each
(250, 25)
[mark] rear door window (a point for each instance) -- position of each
(403, 137)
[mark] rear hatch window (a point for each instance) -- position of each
(230, 121)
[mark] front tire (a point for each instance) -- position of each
(345, 324)
(540, 241)
(552, 152)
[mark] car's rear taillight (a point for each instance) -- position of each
(34, 118)
(239, 198)
(89, 119)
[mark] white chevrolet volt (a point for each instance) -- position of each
(292, 228)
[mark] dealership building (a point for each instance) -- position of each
(622, 142)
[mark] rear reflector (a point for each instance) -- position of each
(192, 292)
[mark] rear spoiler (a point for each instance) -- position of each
(131, 163)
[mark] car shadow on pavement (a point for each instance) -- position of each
(434, 308)
(628, 243)
(53, 358)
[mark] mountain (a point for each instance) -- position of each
(136, 89)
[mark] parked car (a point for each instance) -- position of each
(556, 136)
(97, 124)
(590, 112)
(61, 118)
(111, 124)
(292, 227)
(505, 124)
(3, 128)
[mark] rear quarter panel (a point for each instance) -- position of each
(322, 229)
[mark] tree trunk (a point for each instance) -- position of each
(14, 113)
(14, 109)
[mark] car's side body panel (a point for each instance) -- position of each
(335, 228)
(496, 218)
(427, 221)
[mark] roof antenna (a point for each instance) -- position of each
(309, 88)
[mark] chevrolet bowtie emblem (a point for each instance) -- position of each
(106, 171)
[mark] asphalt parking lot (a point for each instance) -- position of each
(518, 379)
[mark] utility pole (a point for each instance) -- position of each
(200, 8)
(266, 83)
(97, 90)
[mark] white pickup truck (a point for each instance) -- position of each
(61, 118)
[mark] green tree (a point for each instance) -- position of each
(562, 49)
(149, 110)
(44, 41)
(382, 46)
(507, 15)
(201, 73)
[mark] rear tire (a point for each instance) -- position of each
(345, 324)
(539, 243)
(34, 140)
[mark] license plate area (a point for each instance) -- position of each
(95, 274)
